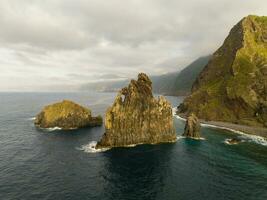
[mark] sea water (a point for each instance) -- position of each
(57, 164)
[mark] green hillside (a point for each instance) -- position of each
(233, 86)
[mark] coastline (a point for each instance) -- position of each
(237, 128)
(258, 131)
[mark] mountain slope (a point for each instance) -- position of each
(233, 86)
(176, 83)
(188, 75)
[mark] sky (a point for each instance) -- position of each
(48, 45)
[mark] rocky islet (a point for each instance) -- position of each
(66, 115)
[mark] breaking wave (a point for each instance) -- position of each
(31, 118)
(245, 137)
(180, 137)
(90, 148)
(254, 138)
(228, 141)
(51, 129)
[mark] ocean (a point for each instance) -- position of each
(60, 165)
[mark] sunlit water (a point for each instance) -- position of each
(42, 164)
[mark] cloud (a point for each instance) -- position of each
(58, 42)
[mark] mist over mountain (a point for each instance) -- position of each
(179, 83)
(174, 83)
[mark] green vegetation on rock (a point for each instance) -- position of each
(136, 117)
(233, 86)
(66, 115)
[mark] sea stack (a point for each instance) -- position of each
(66, 115)
(192, 127)
(136, 117)
(233, 86)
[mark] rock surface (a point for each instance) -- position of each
(233, 141)
(192, 127)
(136, 117)
(233, 86)
(66, 115)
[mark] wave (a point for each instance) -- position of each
(228, 141)
(183, 137)
(247, 137)
(174, 110)
(221, 127)
(254, 138)
(180, 137)
(51, 129)
(90, 148)
(31, 118)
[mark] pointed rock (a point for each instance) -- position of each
(192, 127)
(136, 117)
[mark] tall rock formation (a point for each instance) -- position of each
(136, 117)
(233, 86)
(192, 127)
(66, 115)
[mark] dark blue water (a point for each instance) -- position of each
(37, 164)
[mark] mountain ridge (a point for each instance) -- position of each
(233, 86)
(173, 83)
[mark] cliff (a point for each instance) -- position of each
(233, 85)
(66, 115)
(136, 117)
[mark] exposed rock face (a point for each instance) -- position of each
(233, 86)
(136, 117)
(66, 115)
(192, 127)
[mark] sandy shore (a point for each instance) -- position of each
(259, 131)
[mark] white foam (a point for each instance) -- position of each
(178, 137)
(221, 127)
(90, 148)
(31, 118)
(250, 138)
(174, 110)
(180, 118)
(132, 145)
(52, 129)
(228, 141)
(254, 138)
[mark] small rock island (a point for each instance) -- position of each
(233, 141)
(136, 117)
(192, 127)
(66, 115)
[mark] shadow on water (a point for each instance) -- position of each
(134, 172)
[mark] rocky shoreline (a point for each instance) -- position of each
(258, 131)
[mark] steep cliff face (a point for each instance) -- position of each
(136, 117)
(233, 86)
(192, 127)
(66, 115)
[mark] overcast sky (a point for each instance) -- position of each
(58, 44)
